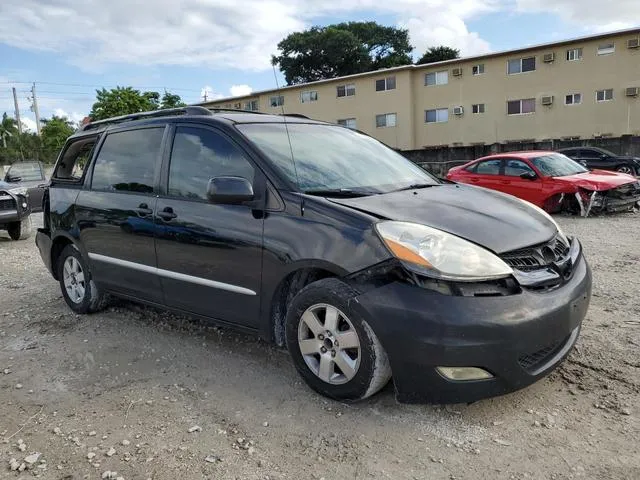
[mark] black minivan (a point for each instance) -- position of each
(320, 238)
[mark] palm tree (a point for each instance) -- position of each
(7, 128)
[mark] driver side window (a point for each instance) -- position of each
(197, 156)
(515, 168)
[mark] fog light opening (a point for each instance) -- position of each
(464, 373)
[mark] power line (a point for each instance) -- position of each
(88, 85)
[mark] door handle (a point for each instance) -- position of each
(143, 210)
(167, 214)
(475, 180)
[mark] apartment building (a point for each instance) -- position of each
(581, 88)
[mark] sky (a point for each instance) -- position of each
(70, 48)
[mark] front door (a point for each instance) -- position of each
(513, 184)
(209, 255)
(115, 216)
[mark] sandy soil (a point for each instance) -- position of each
(121, 391)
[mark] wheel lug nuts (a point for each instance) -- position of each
(333, 353)
(321, 337)
(323, 350)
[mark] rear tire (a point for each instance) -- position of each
(78, 289)
(343, 358)
(625, 169)
(20, 230)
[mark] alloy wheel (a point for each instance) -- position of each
(73, 277)
(329, 344)
(626, 170)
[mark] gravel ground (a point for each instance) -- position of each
(151, 395)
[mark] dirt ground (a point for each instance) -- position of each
(124, 390)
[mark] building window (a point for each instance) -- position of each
(520, 107)
(348, 122)
(383, 84)
(521, 65)
(386, 120)
(477, 108)
(436, 78)
(309, 96)
(438, 115)
(573, 99)
(604, 95)
(477, 69)
(237, 106)
(346, 90)
(276, 101)
(574, 54)
(606, 48)
(252, 106)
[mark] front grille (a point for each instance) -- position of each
(6, 202)
(533, 361)
(538, 256)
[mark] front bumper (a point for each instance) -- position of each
(518, 338)
(13, 208)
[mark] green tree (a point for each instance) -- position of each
(8, 128)
(171, 100)
(341, 49)
(54, 134)
(122, 101)
(438, 54)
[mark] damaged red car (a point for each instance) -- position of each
(552, 181)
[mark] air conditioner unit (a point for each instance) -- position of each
(456, 72)
(458, 110)
(632, 91)
(549, 57)
(548, 100)
(633, 43)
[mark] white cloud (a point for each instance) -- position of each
(240, 90)
(589, 14)
(75, 117)
(207, 93)
(28, 125)
(216, 34)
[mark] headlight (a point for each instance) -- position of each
(439, 254)
(19, 191)
(563, 237)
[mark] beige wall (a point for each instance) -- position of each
(411, 98)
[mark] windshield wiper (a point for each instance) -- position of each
(415, 186)
(340, 192)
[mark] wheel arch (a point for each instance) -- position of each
(58, 244)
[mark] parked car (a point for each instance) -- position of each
(30, 175)
(594, 157)
(321, 238)
(15, 211)
(551, 181)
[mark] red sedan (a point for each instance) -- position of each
(551, 181)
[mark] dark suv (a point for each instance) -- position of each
(321, 238)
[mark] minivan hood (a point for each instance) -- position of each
(492, 219)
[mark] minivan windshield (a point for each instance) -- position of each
(557, 165)
(332, 159)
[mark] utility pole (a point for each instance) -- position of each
(15, 103)
(35, 107)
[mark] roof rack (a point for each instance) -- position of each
(234, 110)
(189, 110)
(297, 115)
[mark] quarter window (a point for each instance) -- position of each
(606, 48)
(436, 78)
(604, 95)
(127, 161)
(348, 122)
(386, 120)
(438, 115)
(521, 65)
(383, 84)
(573, 99)
(199, 155)
(477, 108)
(276, 101)
(348, 90)
(309, 96)
(574, 54)
(518, 107)
(477, 69)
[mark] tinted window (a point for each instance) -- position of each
(127, 161)
(28, 172)
(489, 167)
(515, 168)
(199, 155)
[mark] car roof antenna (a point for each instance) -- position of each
(286, 127)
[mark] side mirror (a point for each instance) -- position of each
(229, 190)
(12, 179)
(528, 176)
(604, 156)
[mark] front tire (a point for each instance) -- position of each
(625, 169)
(20, 230)
(78, 289)
(334, 349)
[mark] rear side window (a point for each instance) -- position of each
(127, 161)
(489, 167)
(199, 155)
